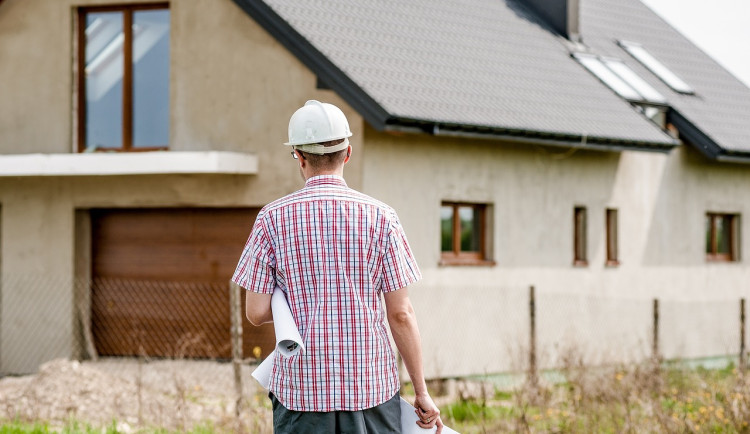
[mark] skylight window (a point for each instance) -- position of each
(615, 74)
(596, 67)
(665, 74)
(633, 79)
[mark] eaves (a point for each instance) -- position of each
(704, 143)
(526, 136)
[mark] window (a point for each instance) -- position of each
(463, 231)
(611, 224)
(657, 114)
(579, 236)
(656, 67)
(620, 78)
(722, 237)
(123, 78)
(634, 80)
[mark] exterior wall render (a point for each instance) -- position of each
(233, 87)
(604, 312)
(37, 304)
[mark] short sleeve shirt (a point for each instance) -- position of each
(333, 251)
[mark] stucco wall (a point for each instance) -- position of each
(603, 312)
(37, 302)
(232, 87)
(36, 84)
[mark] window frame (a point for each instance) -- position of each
(734, 242)
(612, 235)
(127, 76)
(621, 79)
(458, 257)
(659, 69)
(580, 228)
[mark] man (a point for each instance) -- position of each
(334, 251)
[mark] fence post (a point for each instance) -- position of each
(532, 337)
(655, 339)
(742, 336)
(235, 302)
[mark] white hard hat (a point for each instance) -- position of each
(318, 122)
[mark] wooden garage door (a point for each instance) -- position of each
(161, 282)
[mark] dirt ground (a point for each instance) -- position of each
(177, 395)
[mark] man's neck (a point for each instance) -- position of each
(338, 172)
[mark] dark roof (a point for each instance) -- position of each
(716, 119)
(493, 68)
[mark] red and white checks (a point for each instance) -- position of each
(333, 251)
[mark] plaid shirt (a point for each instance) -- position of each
(332, 250)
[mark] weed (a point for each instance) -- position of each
(647, 397)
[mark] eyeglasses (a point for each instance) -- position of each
(294, 155)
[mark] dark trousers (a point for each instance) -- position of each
(384, 418)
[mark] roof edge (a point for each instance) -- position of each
(581, 141)
(734, 157)
(703, 143)
(316, 61)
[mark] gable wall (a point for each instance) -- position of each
(232, 86)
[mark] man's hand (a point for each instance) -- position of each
(428, 413)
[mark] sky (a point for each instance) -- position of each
(721, 28)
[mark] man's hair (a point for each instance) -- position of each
(326, 161)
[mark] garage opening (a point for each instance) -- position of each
(160, 282)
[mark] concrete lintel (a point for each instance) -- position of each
(132, 163)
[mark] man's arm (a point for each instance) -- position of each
(403, 323)
(258, 308)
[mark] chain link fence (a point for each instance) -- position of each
(181, 353)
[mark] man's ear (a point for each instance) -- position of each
(300, 158)
(348, 153)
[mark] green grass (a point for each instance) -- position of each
(464, 411)
(76, 427)
(23, 428)
(71, 427)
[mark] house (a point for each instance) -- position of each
(582, 147)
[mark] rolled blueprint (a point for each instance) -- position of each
(263, 372)
(288, 340)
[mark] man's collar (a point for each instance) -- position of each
(325, 180)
